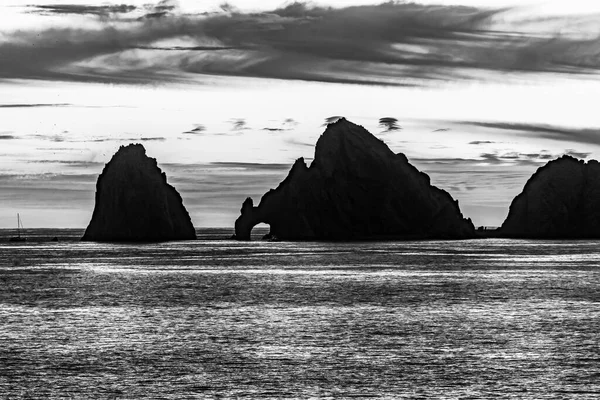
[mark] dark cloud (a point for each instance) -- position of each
(239, 124)
(389, 124)
(586, 135)
(196, 130)
(163, 9)
(4, 136)
(83, 9)
(388, 44)
(33, 105)
(478, 142)
(441, 130)
(543, 155)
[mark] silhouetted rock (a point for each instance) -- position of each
(356, 188)
(561, 200)
(134, 202)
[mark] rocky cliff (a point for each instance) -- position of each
(561, 200)
(134, 202)
(356, 188)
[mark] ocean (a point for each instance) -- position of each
(216, 318)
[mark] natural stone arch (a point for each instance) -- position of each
(249, 218)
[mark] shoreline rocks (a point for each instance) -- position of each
(561, 200)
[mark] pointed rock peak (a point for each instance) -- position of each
(134, 202)
(344, 127)
(133, 149)
(351, 142)
(355, 188)
(134, 153)
(340, 121)
(299, 165)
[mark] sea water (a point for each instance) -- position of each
(216, 318)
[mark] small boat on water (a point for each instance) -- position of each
(18, 238)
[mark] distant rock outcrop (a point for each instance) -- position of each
(561, 200)
(134, 202)
(356, 188)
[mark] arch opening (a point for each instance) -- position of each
(259, 231)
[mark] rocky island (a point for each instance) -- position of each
(356, 188)
(560, 201)
(134, 202)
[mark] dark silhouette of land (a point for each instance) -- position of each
(356, 188)
(560, 201)
(135, 203)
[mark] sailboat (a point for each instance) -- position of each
(18, 238)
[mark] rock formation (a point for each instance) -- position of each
(356, 188)
(561, 200)
(134, 202)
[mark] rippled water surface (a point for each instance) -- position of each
(215, 318)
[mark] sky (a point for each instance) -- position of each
(227, 95)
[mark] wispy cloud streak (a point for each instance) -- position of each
(557, 133)
(34, 105)
(83, 9)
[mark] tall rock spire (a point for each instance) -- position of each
(134, 202)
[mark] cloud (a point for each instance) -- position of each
(478, 142)
(162, 9)
(557, 133)
(332, 120)
(68, 163)
(83, 9)
(53, 138)
(5, 136)
(577, 154)
(130, 139)
(296, 142)
(496, 158)
(287, 124)
(239, 124)
(196, 130)
(388, 44)
(389, 124)
(62, 138)
(543, 155)
(254, 166)
(34, 105)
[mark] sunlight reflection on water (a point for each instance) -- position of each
(480, 319)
